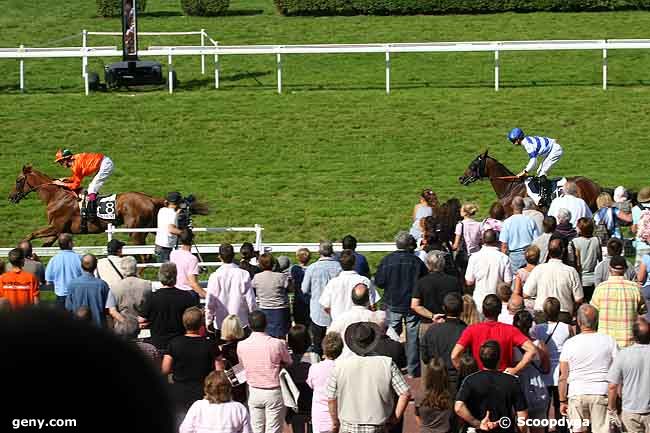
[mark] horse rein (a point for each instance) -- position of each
(22, 194)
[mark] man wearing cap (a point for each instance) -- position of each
(108, 268)
(618, 302)
(167, 231)
(377, 376)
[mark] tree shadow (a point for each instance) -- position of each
(161, 14)
(243, 12)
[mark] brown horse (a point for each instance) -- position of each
(133, 209)
(485, 166)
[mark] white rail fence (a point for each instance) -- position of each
(496, 47)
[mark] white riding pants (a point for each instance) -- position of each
(105, 170)
(551, 159)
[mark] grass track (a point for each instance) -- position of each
(333, 154)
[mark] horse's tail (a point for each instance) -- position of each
(199, 207)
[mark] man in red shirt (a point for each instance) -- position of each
(507, 336)
(18, 286)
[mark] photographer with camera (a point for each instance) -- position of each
(168, 226)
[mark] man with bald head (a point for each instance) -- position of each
(360, 312)
(89, 291)
(557, 280)
(63, 268)
(487, 268)
(31, 265)
(584, 363)
(517, 233)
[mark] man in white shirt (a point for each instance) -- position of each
(577, 206)
(584, 364)
(336, 297)
(557, 280)
(229, 291)
(167, 227)
(109, 268)
(359, 312)
(487, 268)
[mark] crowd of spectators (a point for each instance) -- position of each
(503, 324)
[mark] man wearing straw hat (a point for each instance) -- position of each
(377, 376)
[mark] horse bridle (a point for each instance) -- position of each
(20, 185)
(479, 173)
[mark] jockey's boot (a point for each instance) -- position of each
(84, 218)
(545, 191)
(91, 206)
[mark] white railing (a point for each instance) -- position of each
(257, 229)
(288, 248)
(217, 50)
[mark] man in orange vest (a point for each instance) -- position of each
(19, 287)
(82, 165)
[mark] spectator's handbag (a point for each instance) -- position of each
(462, 257)
(236, 375)
(290, 392)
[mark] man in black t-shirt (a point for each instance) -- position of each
(440, 339)
(488, 399)
(164, 308)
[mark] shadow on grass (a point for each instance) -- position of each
(161, 14)
(200, 83)
(243, 12)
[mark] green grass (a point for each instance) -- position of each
(333, 154)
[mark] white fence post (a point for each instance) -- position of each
(258, 237)
(84, 44)
(109, 231)
(202, 55)
(496, 70)
(605, 68)
(170, 73)
(278, 60)
(22, 71)
(387, 71)
(217, 70)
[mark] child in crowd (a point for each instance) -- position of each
(317, 379)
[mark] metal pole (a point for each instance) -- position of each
(84, 42)
(170, 73)
(22, 71)
(604, 68)
(387, 71)
(279, 64)
(202, 55)
(496, 70)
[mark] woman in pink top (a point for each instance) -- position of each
(532, 260)
(216, 413)
(468, 231)
(317, 379)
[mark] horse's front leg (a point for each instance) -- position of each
(45, 232)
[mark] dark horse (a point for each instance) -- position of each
(134, 209)
(485, 166)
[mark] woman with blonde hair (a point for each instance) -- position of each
(467, 239)
(216, 413)
(470, 313)
(232, 333)
(606, 219)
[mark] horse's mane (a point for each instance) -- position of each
(501, 166)
(40, 174)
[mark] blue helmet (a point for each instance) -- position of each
(515, 134)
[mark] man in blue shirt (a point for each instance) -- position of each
(88, 291)
(63, 268)
(517, 233)
(317, 275)
(360, 262)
